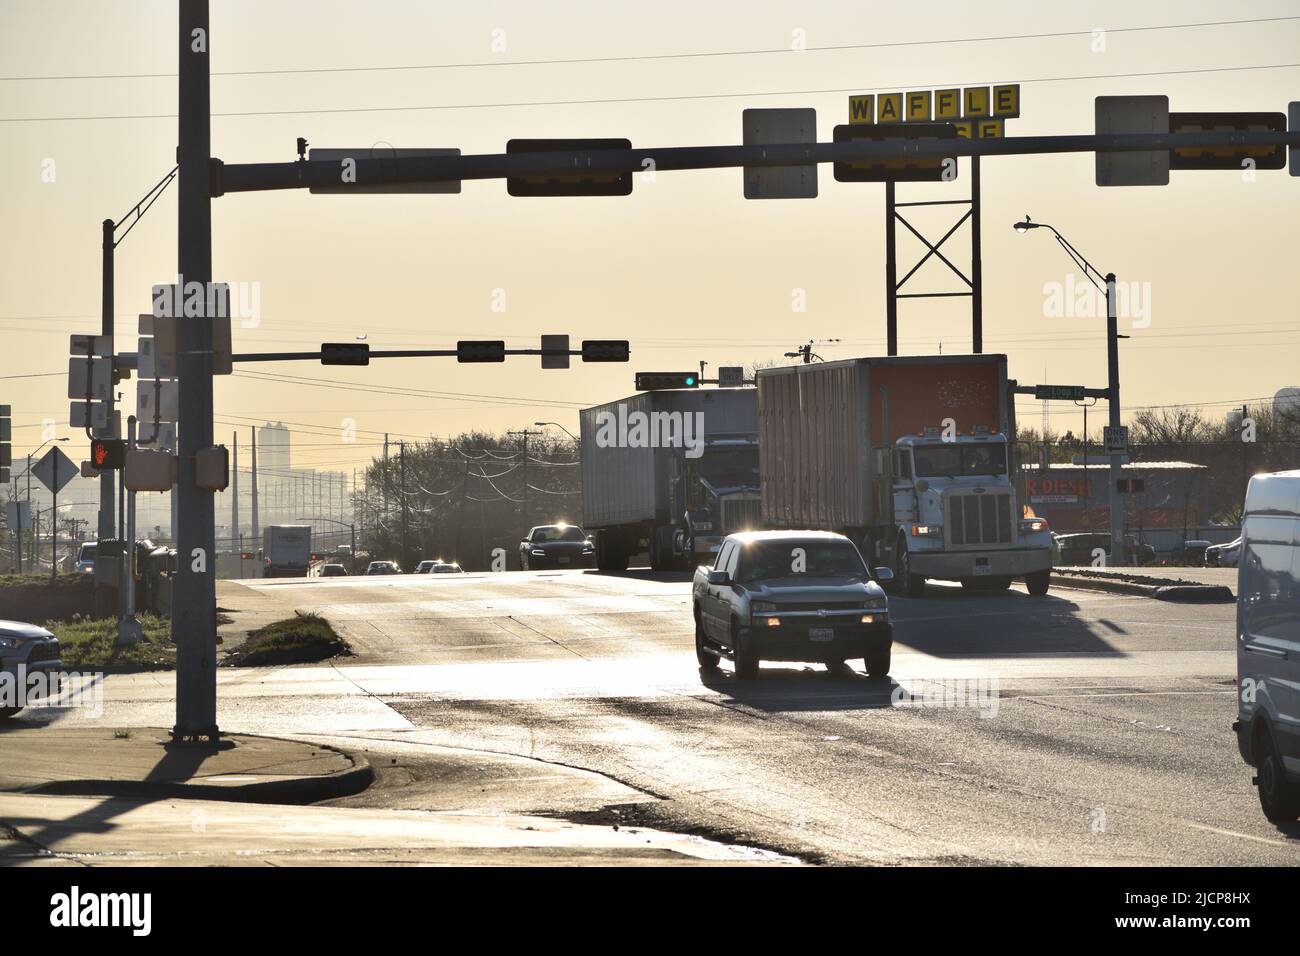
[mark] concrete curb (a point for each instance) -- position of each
(285, 790)
(1184, 592)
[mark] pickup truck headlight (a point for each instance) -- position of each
(879, 604)
(926, 530)
(1033, 524)
(763, 606)
(11, 643)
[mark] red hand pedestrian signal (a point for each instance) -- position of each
(107, 454)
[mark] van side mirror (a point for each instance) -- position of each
(882, 575)
(719, 577)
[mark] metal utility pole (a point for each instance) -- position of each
(1116, 459)
(54, 517)
(234, 491)
(194, 625)
(107, 478)
(252, 429)
(401, 480)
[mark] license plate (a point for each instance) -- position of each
(565, 560)
(821, 634)
(983, 569)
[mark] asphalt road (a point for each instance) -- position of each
(1079, 728)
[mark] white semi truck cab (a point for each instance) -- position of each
(957, 516)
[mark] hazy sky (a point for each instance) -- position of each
(685, 267)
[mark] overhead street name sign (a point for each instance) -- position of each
(1060, 392)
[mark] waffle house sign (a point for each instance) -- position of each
(978, 112)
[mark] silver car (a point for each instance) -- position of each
(1223, 555)
(24, 649)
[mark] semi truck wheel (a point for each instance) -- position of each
(912, 585)
(1038, 581)
(611, 553)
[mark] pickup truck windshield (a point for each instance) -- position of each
(953, 461)
(766, 560)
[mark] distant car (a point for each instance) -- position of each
(1223, 555)
(424, 567)
(333, 571)
(1268, 642)
(1192, 553)
(791, 596)
(382, 567)
(445, 567)
(86, 557)
(1078, 549)
(556, 546)
(30, 648)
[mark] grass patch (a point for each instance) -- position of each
(90, 644)
(63, 580)
(301, 639)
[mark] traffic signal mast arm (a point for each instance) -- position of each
(303, 174)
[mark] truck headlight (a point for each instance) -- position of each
(704, 526)
(877, 605)
(765, 607)
(926, 530)
(1033, 524)
(10, 643)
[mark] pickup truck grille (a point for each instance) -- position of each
(819, 605)
(740, 513)
(980, 519)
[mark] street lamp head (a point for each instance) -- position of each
(1023, 227)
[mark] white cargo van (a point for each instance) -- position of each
(1268, 641)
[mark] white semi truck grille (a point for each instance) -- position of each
(980, 519)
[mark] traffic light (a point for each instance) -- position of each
(1227, 157)
(344, 353)
(480, 351)
(576, 183)
(656, 381)
(107, 454)
(920, 169)
(604, 350)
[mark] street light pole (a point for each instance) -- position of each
(1112, 378)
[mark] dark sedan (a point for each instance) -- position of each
(556, 546)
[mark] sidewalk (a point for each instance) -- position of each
(115, 798)
(98, 760)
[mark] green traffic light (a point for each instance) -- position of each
(690, 379)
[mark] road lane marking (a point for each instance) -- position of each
(1289, 845)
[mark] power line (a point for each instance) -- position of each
(632, 58)
(633, 99)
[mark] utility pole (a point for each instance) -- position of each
(401, 479)
(194, 626)
(234, 493)
(108, 478)
(1116, 459)
(257, 537)
(526, 510)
